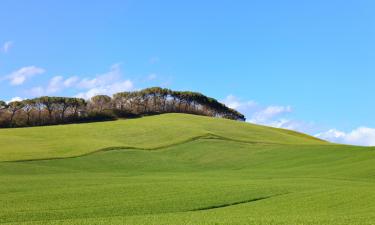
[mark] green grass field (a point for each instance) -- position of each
(181, 169)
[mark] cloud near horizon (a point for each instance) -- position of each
(364, 136)
(278, 116)
(273, 115)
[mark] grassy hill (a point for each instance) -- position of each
(146, 133)
(181, 169)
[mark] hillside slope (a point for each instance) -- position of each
(145, 133)
(201, 182)
(209, 172)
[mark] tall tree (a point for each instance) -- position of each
(76, 104)
(3, 107)
(49, 104)
(13, 108)
(28, 107)
(39, 106)
(101, 102)
(63, 104)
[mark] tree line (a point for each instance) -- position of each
(48, 110)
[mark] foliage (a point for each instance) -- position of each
(47, 110)
(160, 100)
(101, 103)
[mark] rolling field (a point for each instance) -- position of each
(181, 169)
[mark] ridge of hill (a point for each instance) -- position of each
(148, 133)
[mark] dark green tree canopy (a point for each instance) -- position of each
(161, 100)
(155, 100)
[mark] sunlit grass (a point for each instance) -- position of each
(252, 175)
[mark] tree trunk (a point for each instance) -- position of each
(11, 117)
(28, 118)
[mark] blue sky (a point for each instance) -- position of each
(304, 65)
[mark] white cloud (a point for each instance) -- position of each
(256, 113)
(279, 116)
(235, 103)
(274, 116)
(55, 85)
(108, 89)
(361, 136)
(288, 124)
(7, 46)
(266, 115)
(71, 81)
(107, 83)
(18, 77)
(14, 99)
(102, 79)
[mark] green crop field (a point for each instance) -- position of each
(181, 169)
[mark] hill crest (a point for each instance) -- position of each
(150, 132)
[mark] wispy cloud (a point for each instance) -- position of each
(7, 46)
(107, 89)
(280, 117)
(55, 85)
(19, 76)
(256, 113)
(113, 75)
(266, 115)
(71, 81)
(107, 83)
(235, 103)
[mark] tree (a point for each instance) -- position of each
(101, 102)
(63, 104)
(121, 99)
(76, 104)
(49, 103)
(28, 107)
(3, 107)
(39, 106)
(159, 100)
(124, 104)
(14, 107)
